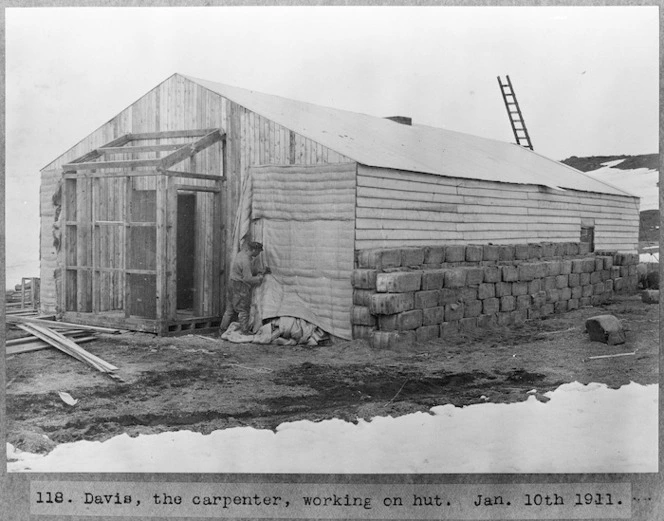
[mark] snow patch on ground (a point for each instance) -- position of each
(582, 428)
(641, 182)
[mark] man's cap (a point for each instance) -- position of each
(256, 246)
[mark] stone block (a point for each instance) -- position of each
(448, 329)
(392, 339)
(507, 303)
(409, 319)
(433, 315)
(453, 312)
(468, 325)
(490, 306)
(381, 258)
(474, 253)
(474, 276)
(433, 279)
(472, 308)
(391, 303)
(362, 331)
(573, 304)
(399, 282)
(519, 288)
(448, 296)
(412, 256)
(490, 252)
(492, 274)
(523, 302)
(510, 273)
(487, 321)
(503, 289)
(577, 292)
(606, 329)
(565, 267)
(521, 252)
(573, 280)
(455, 278)
(426, 299)
(650, 296)
(434, 255)
(361, 316)
(562, 281)
(506, 253)
(526, 272)
(364, 279)
(486, 291)
(426, 333)
(455, 253)
(565, 293)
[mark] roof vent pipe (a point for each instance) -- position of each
(401, 119)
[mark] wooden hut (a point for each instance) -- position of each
(141, 218)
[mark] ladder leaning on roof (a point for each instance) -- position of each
(514, 113)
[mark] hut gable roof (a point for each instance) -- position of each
(379, 142)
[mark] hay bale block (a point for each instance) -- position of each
(558, 249)
(468, 325)
(553, 295)
(381, 258)
(504, 319)
(549, 283)
(650, 296)
(539, 299)
(534, 313)
(503, 289)
(455, 278)
(361, 316)
(412, 256)
(608, 286)
(573, 248)
(548, 250)
(507, 303)
(510, 273)
(535, 285)
(587, 291)
(584, 302)
(485, 291)
(618, 284)
(472, 308)
(362, 297)
(490, 306)
(605, 275)
(606, 329)
(392, 339)
(565, 267)
(474, 276)
(560, 306)
(595, 277)
(584, 248)
(588, 265)
(455, 253)
(578, 265)
(474, 253)
(391, 303)
(398, 282)
(492, 274)
(426, 299)
(521, 251)
(362, 331)
(584, 279)
(490, 253)
(467, 293)
(448, 329)
(599, 264)
(453, 311)
(565, 293)
(562, 281)
(526, 272)
(434, 254)
(448, 296)
(506, 253)
(535, 250)
(598, 288)
(577, 292)
(432, 316)
(433, 279)
(574, 280)
(608, 262)
(573, 304)
(364, 279)
(387, 322)
(519, 288)
(523, 301)
(487, 321)
(409, 319)
(426, 333)
(553, 268)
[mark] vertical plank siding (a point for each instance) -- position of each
(405, 208)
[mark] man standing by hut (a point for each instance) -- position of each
(243, 278)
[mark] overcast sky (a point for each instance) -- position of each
(586, 77)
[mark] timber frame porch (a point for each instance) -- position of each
(141, 244)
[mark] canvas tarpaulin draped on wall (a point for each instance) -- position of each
(305, 219)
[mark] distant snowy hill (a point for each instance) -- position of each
(638, 175)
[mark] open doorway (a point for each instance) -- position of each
(186, 251)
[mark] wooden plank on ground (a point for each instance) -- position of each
(50, 323)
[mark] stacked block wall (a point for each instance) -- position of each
(428, 292)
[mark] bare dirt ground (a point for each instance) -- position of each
(205, 384)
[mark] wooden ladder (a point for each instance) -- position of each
(514, 113)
